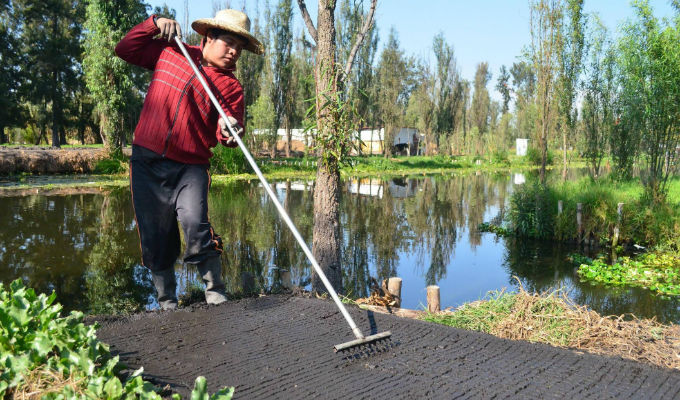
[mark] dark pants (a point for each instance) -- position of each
(163, 192)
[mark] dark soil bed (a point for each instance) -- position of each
(281, 347)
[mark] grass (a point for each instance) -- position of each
(552, 318)
(533, 212)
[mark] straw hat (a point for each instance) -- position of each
(231, 21)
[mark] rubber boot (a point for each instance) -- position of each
(166, 287)
(211, 272)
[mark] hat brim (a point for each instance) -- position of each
(201, 26)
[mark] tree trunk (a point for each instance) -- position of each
(3, 138)
(326, 234)
(288, 136)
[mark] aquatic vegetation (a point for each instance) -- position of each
(57, 357)
(658, 272)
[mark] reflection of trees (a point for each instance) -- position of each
(355, 252)
(45, 240)
(540, 264)
(432, 217)
(255, 237)
(115, 280)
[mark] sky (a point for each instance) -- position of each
(495, 31)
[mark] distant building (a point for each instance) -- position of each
(522, 145)
(406, 141)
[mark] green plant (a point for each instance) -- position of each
(116, 163)
(531, 211)
(658, 272)
(61, 358)
(534, 156)
(227, 160)
(500, 157)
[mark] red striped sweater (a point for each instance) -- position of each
(178, 119)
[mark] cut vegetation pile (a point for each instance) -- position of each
(552, 318)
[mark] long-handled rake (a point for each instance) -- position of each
(361, 340)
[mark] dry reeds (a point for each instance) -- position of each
(42, 381)
(552, 318)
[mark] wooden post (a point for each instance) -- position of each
(286, 280)
(617, 227)
(433, 299)
(579, 220)
(560, 207)
(394, 287)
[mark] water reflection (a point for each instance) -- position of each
(424, 230)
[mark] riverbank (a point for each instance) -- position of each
(20, 183)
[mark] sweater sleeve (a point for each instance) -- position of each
(139, 47)
(233, 104)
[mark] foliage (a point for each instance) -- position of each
(534, 156)
(109, 79)
(546, 38)
(115, 163)
(281, 88)
(649, 61)
(500, 157)
(599, 104)
(480, 316)
(227, 160)
(392, 91)
(61, 357)
(658, 272)
(334, 141)
(531, 211)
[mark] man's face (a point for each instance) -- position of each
(223, 51)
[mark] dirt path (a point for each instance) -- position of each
(281, 347)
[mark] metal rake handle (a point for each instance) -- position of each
(272, 195)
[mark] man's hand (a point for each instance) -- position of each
(238, 129)
(169, 28)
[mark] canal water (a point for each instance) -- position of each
(424, 230)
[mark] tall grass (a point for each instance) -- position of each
(533, 212)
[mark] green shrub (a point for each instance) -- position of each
(534, 156)
(227, 160)
(61, 358)
(116, 163)
(531, 211)
(500, 157)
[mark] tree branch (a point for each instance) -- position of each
(360, 38)
(308, 19)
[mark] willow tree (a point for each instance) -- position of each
(571, 65)
(392, 90)
(334, 137)
(649, 61)
(546, 16)
(109, 79)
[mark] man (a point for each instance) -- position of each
(178, 126)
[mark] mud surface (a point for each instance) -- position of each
(281, 347)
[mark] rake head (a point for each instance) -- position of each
(368, 344)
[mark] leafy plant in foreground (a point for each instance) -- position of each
(61, 358)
